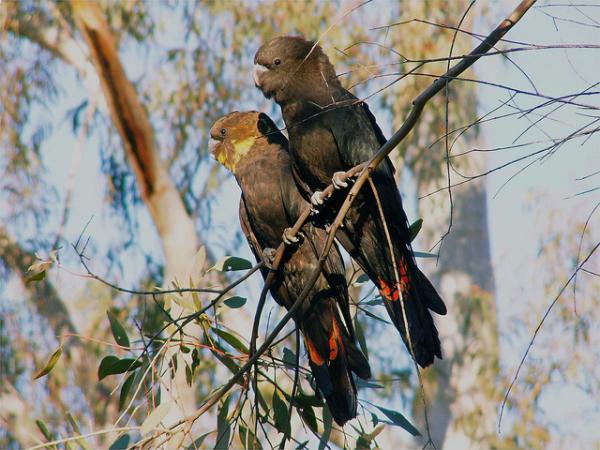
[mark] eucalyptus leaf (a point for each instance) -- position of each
(117, 329)
(414, 229)
(49, 364)
(235, 302)
(112, 365)
(231, 264)
(280, 413)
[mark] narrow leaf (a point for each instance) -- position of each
(125, 390)
(231, 340)
(327, 423)
(399, 420)
(232, 263)
(363, 384)
(425, 255)
(306, 401)
(280, 413)
(289, 358)
(44, 429)
(308, 415)
(360, 336)
(375, 302)
(154, 419)
(414, 229)
(361, 279)
(121, 443)
(370, 314)
(223, 426)
(197, 444)
(50, 364)
(235, 302)
(111, 365)
(248, 439)
(117, 329)
(36, 277)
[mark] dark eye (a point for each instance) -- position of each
(277, 61)
(223, 131)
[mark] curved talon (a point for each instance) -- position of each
(289, 238)
(268, 256)
(340, 180)
(316, 200)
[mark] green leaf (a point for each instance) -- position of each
(308, 415)
(77, 431)
(289, 358)
(125, 390)
(155, 417)
(425, 255)
(398, 420)
(50, 364)
(362, 384)
(327, 423)
(117, 329)
(225, 359)
(360, 336)
(362, 443)
(280, 413)
(231, 340)
(370, 314)
(44, 429)
(197, 444)
(235, 302)
(111, 365)
(121, 443)
(361, 279)
(248, 439)
(231, 263)
(307, 401)
(223, 426)
(36, 277)
(414, 229)
(374, 302)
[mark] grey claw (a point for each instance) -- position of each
(268, 256)
(290, 238)
(316, 200)
(340, 180)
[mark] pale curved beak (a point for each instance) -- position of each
(257, 71)
(212, 146)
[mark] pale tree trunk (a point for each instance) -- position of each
(158, 191)
(461, 388)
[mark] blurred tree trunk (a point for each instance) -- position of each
(175, 227)
(461, 388)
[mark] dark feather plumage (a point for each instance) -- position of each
(270, 203)
(330, 130)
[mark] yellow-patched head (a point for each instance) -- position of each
(233, 135)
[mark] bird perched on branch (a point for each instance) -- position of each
(330, 131)
(250, 145)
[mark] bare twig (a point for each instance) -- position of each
(538, 328)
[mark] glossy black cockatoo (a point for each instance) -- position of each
(254, 150)
(330, 131)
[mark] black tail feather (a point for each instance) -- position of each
(333, 357)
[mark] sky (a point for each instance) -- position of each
(516, 212)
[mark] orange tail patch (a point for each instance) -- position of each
(335, 341)
(391, 292)
(313, 354)
(335, 346)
